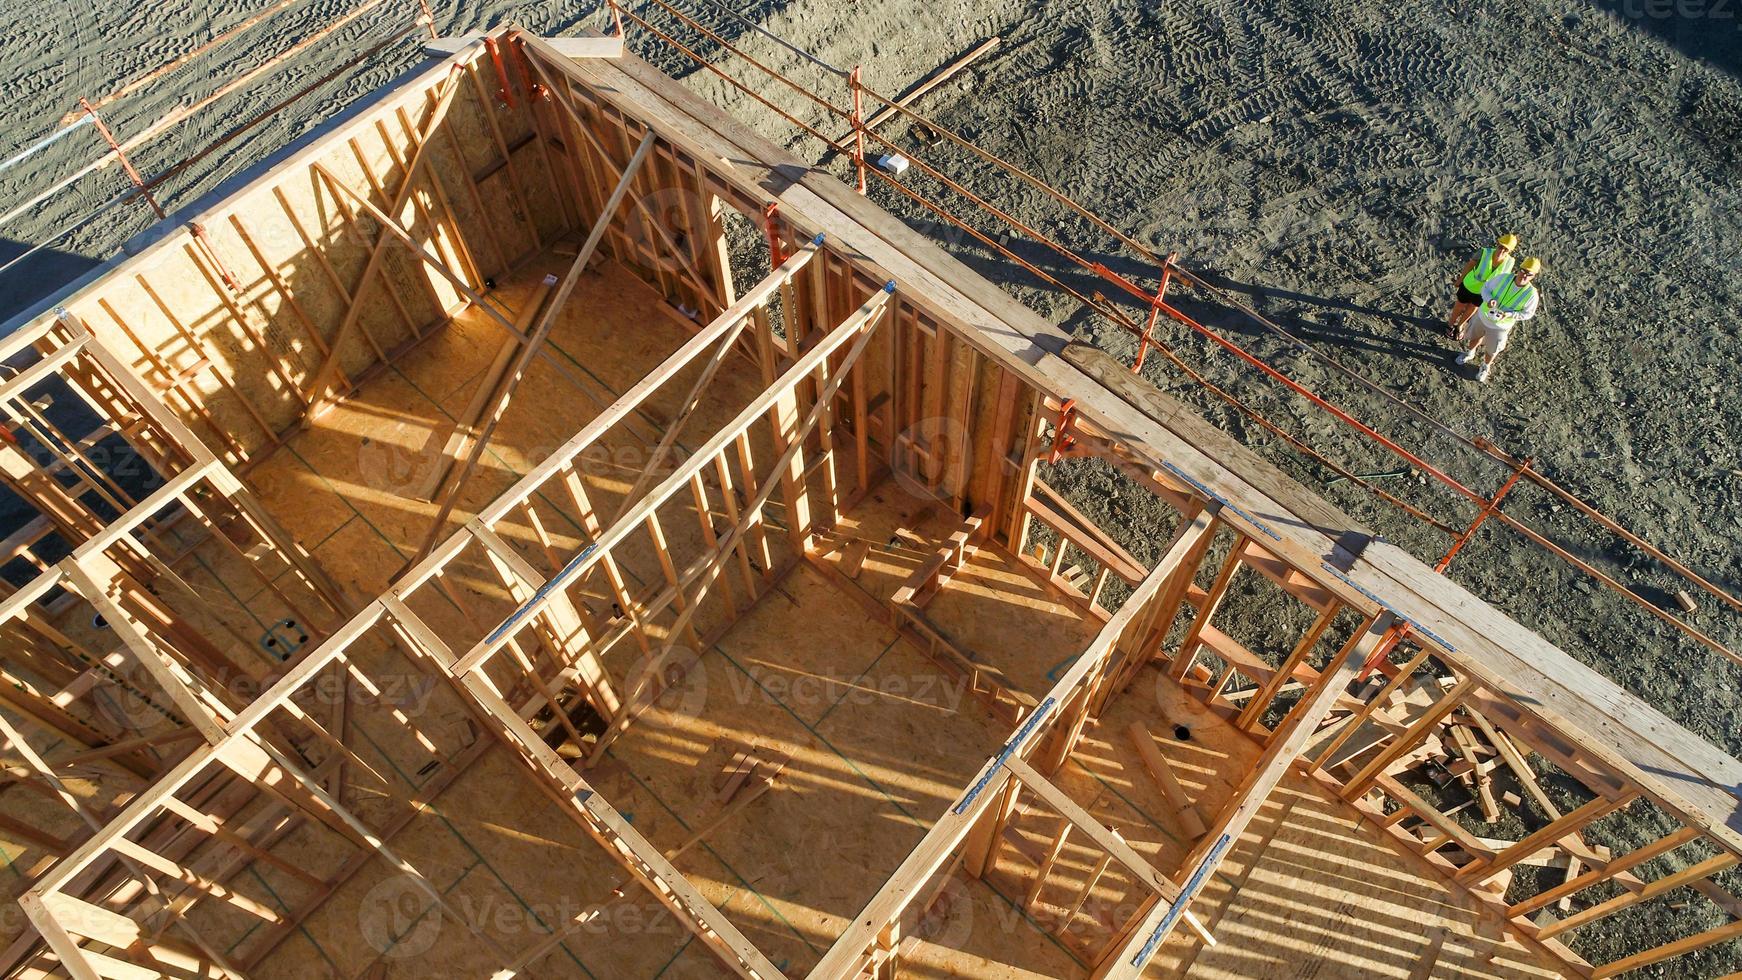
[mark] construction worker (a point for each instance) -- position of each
(1508, 299)
(1487, 264)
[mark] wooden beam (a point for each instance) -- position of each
(329, 367)
(973, 810)
(1545, 836)
(489, 386)
(1270, 689)
(569, 634)
(704, 292)
(1411, 736)
(1184, 811)
(198, 706)
(919, 90)
(1106, 839)
(534, 340)
(856, 329)
(404, 238)
(1628, 861)
(1698, 871)
(66, 948)
(932, 853)
(1128, 958)
(1687, 944)
(252, 757)
(1173, 577)
(603, 46)
(673, 429)
(590, 811)
(862, 325)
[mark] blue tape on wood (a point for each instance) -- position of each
(1388, 607)
(1218, 498)
(1178, 908)
(556, 582)
(1004, 754)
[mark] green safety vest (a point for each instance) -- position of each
(1486, 269)
(1513, 297)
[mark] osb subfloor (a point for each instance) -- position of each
(1308, 890)
(254, 612)
(345, 487)
(504, 856)
(880, 740)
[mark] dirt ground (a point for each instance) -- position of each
(1335, 168)
(1334, 165)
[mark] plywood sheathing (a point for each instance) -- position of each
(294, 252)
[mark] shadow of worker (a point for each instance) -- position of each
(1321, 321)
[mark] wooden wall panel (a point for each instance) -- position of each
(240, 318)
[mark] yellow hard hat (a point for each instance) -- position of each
(1508, 240)
(1532, 265)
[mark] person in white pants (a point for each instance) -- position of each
(1508, 299)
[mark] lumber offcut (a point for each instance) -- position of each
(1156, 763)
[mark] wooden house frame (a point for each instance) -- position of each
(873, 359)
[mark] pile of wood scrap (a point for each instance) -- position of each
(756, 767)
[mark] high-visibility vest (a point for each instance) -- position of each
(1512, 297)
(1486, 269)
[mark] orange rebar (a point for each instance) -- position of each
(1397, 631)
(1629, 594)
(121, 155)
(1301, 447)
(181, 113)
(1160, 304)
(838, 112)
(1062, 440)
(505, 91)
(205, 245)
(1315, 398)
(771, 228)
(740, 86)
(1579, 504)
(858, 127)
(1036, 182)
(428, 16)
(141, 81)
(1486, 512)
(1097, 304)
(1145, 339)
(162, 175)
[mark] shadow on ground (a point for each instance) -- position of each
(39, 275)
